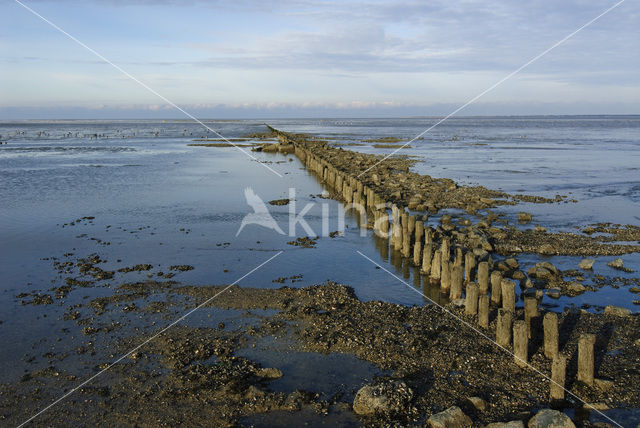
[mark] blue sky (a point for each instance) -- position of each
(303, 59)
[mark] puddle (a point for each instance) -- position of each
(330, 375)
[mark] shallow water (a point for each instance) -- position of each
(156, 200)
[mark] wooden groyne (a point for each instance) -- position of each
(457, 260)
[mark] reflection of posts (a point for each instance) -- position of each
(362, 218)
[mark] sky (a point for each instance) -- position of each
(298, 58)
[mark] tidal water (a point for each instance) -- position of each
(153, 199)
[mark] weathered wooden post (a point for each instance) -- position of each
(396, 235)
(412, 225)
(503, 328)
(417, 252)
(445, 249)
(406, 242)
(586, 359)
(483, 311)
(520, 342)
(471, 299)
(508, 295)
(426, 258)
(419, 231)
(558, 373)
(469, 265)
(550, 327)
(459, 257)
(496, 286)
(456, 282)
(445, 275)
(483, 277)
(436, 264)
(530, 313)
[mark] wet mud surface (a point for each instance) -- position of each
(211, 373)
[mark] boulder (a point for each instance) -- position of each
(616, 264)
(576, 288)
(386, 397)
(478, 403)
(549, 266)
(512, 263)
(586, 264)
(548, 418)
(453, 417)
(554, 293)
(617, 311)
(540, 273)
(524, 217)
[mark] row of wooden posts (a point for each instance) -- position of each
(408, 235)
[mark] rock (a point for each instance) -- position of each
(481, 254)
(550, 267)
(586, 264)
(524, 217)
(616, 264)
(512, 263)
(540, 273)
(382, 398)
(453, 417)
(576, 288)
(510, 424)
(617, 311)
(518, 274)
(554, 293)
(269, 373)
(478, 403)
(548, 418)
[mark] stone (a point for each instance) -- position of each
(382, 398)
(554, 293)
(269, 373)
(617, 311)
(512, 263)
(524, 217)
(541, 273)
(478, 403)
(616, 264)
(453, 417)
(549, 266)
(548, 418)
(586, 264)
(510, 424)
(576, 288)
(518, 274)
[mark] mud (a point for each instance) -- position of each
(194, 376)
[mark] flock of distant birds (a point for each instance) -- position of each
(118, 134)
